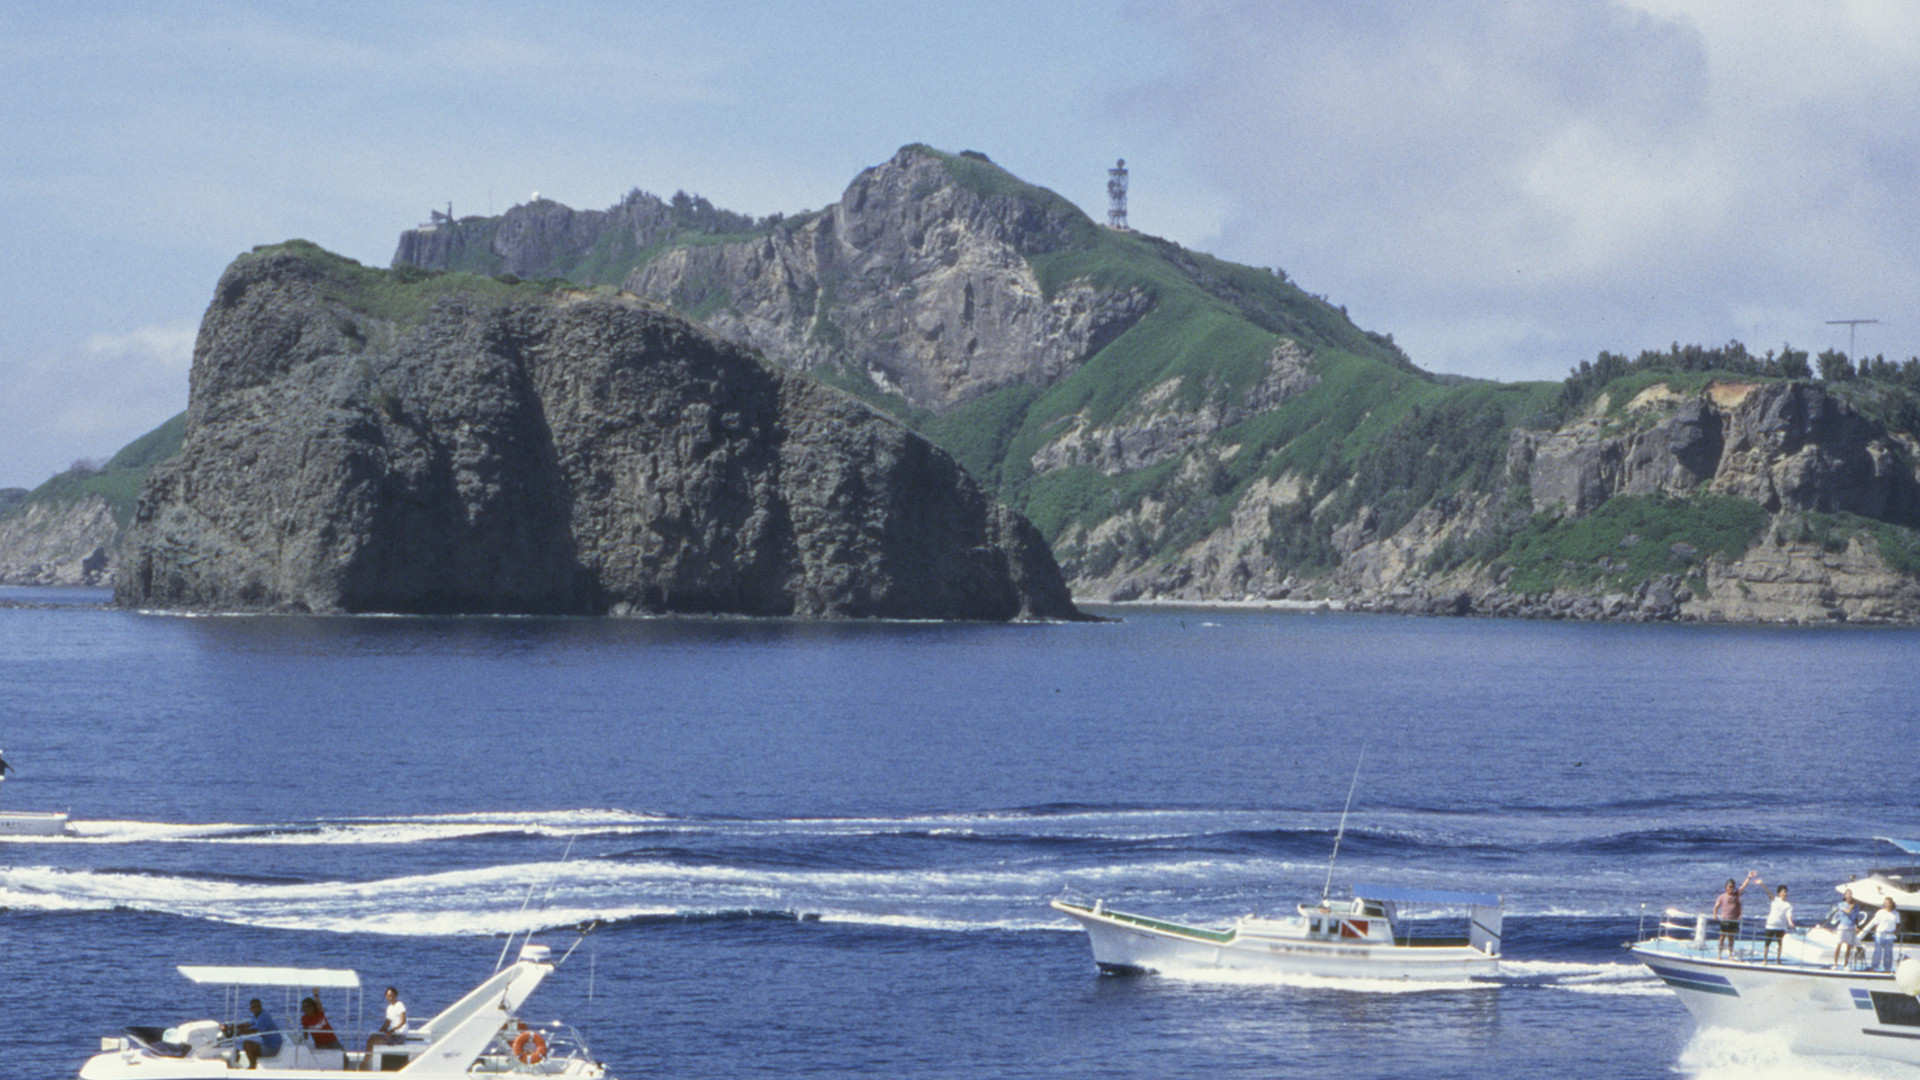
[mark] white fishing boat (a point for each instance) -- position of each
(479, 1035)
(1793, 988)
(28, 822)
(1365, 937)
(1369, 936)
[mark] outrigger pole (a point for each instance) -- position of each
(1355, 782)
(531, 886)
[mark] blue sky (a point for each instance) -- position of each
(1507, 188)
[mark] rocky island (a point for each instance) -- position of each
(360, 440)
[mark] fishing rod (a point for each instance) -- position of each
(1355, 782)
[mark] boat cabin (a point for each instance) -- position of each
(280, 990)
(1356, 921)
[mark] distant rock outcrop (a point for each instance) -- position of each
(921, 284)
(1783, 445)
(58, 543)
(928, 282)
(365, 441)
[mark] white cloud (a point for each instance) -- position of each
(90, 400)
(1509, 188)
(165, 351)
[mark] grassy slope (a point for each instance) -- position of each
(119, 481)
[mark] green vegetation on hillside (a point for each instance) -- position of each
(152, 448)
(403, 294)
(1897, 545)
(119, 480)
(1630, 539)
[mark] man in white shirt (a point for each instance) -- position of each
(1779, 921)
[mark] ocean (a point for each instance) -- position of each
(826, 850)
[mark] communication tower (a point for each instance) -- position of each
(1117, 197)
(1851, 325)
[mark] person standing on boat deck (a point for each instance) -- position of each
(1885, 928)
(391, 1031)
(1726, 908)
(262, 1024)
(1846, 925)
(1779, 921)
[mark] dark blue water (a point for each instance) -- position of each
(826, 850)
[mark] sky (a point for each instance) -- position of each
(1507, 188)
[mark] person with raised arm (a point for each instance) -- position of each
(1727, 910)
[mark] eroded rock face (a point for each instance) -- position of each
(926, 282)
(912, 278)
(566, 452)
(1792, 448)
(534, 239)
(59, 544)
(1160, 425)
(1785, 446)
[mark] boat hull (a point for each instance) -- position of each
(120, 1067)
(1136, 945)
(32, 823)
(1819, 1011)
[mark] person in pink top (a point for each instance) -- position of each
(1726, 908)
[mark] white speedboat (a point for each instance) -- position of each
(1793, 989)
(479, 1035)
(1365, 937)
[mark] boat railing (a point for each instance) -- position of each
(1701, 930)
(559, 1043)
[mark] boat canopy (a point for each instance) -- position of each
(1911, 847)
(1424, 896)
(333, 978)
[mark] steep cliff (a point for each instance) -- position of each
(1693, 497)
(360, 440)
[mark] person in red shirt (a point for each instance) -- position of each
(313, 1021)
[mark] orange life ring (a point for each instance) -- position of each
(530, 1047)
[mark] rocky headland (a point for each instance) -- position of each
(361, 440)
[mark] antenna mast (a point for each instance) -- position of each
(1117, 197)
(1851, 325)
(1355, 782)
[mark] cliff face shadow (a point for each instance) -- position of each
(353, 447)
